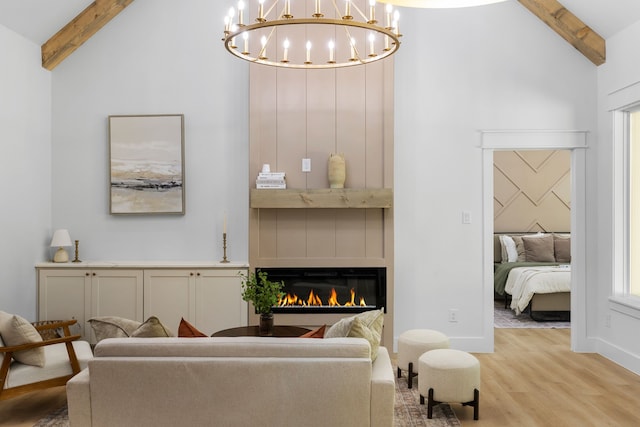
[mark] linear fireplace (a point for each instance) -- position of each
(330, 289)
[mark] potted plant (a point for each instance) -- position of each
(263, 294)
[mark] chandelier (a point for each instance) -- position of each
(303, 34)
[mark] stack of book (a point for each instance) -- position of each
(271, 180)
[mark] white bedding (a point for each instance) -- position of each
(524, 282)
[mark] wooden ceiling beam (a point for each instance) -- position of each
(79, 30)
(569, 27)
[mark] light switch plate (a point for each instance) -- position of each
(306, 165)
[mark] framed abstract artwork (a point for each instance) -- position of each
(146, 155)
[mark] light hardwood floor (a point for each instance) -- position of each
(532, 379)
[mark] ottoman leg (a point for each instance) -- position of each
(421, 399)
(410, 375)
(399, 373)
(430, 404)
(475, 403)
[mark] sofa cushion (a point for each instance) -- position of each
(16, 330)
(112, 327)
(187, 330)
(152, 328)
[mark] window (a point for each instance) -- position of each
(634, 203)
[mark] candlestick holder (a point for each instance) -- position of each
(76, 258)
(224, 248)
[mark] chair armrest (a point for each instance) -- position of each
(29, 346)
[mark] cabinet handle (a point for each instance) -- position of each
(198, 274)
(86, 274)
(94, 274)
(191, 274)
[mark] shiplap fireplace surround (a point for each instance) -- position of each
(297, 114)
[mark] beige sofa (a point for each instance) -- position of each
(243, 381)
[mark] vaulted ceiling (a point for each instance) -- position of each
(61, 26)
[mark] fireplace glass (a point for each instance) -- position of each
(330, 289)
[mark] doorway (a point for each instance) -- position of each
(575, 142)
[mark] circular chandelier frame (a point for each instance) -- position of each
(235, 39)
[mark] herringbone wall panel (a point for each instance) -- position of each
(532, 191)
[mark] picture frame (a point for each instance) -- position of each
(146, 164)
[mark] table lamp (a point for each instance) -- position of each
(60, 240)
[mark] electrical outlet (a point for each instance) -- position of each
(453, 315)
(306, 165)
(466, 217)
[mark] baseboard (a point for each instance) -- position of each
(619, 355)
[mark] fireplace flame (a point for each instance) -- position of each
(314, 300)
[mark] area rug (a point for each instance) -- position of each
(407, 411)
(507, 318)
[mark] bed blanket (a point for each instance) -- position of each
(501, 272)
(524, 282)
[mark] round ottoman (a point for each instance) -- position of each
(449, 376)
(412, 344)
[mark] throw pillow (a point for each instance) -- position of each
(112, 327)
(16, 330)
(187, 330)
(340, 328)
(539, 249)
(316, 333)
(562, 249)
(519, 248)
(360, 330)
(152, 328)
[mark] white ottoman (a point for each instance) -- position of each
(449, 376)
(412, 344)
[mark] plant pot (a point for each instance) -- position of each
(266, 325)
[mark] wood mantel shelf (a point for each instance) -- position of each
(363, 198)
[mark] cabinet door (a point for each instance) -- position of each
(169, 295)
(65, 294)
(218, 303)
(117, 293)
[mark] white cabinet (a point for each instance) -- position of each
(81, 294)
(207, 296)
(210, 299)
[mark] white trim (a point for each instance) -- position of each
(627, 305)
(576, 141)
(533, 139)
(624, 98)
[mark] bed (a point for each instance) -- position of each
(532, 273)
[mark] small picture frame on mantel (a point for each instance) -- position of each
(146, 164)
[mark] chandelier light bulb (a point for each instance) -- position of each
(245, 37)
(372, 12)
(260, 17)
(389, 9)
(285, 46)
(372, 40)
(263, 51)
(332, 46)
(240, 13)
(353, 49)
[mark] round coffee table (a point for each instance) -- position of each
(252, 331)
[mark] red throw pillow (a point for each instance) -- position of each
(316, 333)
(187, 330)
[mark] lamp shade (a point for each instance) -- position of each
(61, 239)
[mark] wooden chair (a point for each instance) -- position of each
(47, 329)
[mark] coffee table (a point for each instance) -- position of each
(252, 331)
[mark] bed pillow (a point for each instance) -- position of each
(509, 251)
(519, 248)
(538, 248)
(16, 330)
(562, 248)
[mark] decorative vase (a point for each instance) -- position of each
(337, 171)
(266, 325)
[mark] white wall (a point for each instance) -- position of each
(616, 78)
(25, 171)
(157, 56)
(460, 71)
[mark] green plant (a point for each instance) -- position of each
(261, 292)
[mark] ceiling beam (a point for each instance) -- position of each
(569, 27)
(79, 30)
